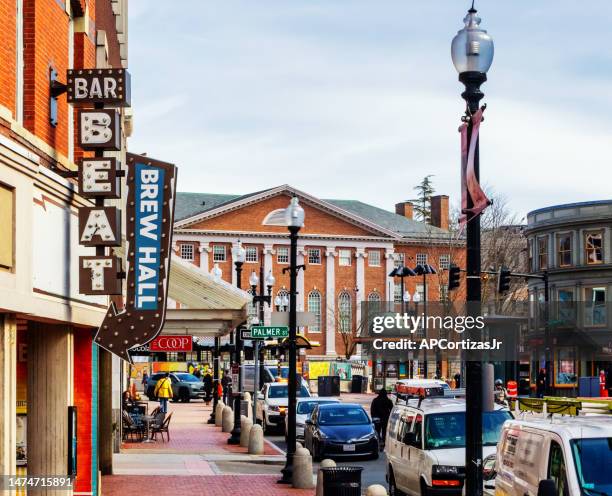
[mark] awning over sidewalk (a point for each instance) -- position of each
(213, 306)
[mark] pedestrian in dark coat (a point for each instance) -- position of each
(541, 384)
(381, 407)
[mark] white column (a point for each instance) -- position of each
(205, 249)
(8, 393)
(360, 255)
(389, 286)
(268, 253)
(330, 301)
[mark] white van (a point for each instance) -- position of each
(559, 455)
(425, 445)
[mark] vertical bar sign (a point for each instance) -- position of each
(149, 189)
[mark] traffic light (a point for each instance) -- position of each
(503, 280)
(454, 277)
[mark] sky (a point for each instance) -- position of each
(358, 99)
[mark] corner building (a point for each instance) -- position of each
(49, 365)
(348, 248)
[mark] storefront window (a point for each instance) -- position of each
(566, 307)
(595, 306)
(565, 367)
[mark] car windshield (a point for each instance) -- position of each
(593, 459)
(283, 392)
(187, 378)
(343, 416)
(306, 407)
(284, 372)
(447, 430)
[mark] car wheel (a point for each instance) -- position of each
(424, 488)
(184, 395)
(393, 490)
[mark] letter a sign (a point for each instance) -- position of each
(150, 212)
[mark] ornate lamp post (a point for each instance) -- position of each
(239, 257)
(294, 218)
(472, 53)
(217, 273)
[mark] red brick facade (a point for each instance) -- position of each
(324, 230)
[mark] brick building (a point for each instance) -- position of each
(48, 361)
(348, 248)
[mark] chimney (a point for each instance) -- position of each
(405, 209)
(439, 211)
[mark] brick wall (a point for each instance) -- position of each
(8, 54)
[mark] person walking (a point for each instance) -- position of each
(145, 378)
(163, 391)
(381, 407)
(541, 383)
(226, 383)
(208, 385)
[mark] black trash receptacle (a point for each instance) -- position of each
(359, 384)
(328, 385)
(342, 481)
(524, 388)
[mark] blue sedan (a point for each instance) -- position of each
(340, 430)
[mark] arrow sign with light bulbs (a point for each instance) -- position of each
(149, 213)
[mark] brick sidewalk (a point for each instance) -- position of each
(217, 485)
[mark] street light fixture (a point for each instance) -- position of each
(472, 54)
(294, 218)
(239, 257)
(216, 273)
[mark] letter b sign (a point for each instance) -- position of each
(99, 129)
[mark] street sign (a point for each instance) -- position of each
(245, 335)
(108, 86)
(303, 319)
(263, 332)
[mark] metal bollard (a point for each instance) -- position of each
(227, 419)
(245, 430)
(376, 490)
(327, 463)
(256, 440)
(302, 469)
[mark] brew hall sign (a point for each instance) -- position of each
(149, 215)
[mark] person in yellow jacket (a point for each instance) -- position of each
(163, 391)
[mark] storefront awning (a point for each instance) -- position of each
(213, 307)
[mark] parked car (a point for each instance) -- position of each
(340, 430)
(562, 456)
(270, 374)
(272, 404)
(304, 409)
(425, 445)
(185, 387)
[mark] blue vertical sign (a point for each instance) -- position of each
(149, 194)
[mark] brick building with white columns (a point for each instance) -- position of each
(348, 248)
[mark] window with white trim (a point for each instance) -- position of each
(251, 254)
(282, 255)
(374, 258)
(397, 293)
(398, 259)
(314, 306)
(344, 258)
(345, 312)
(420, 289)
(443, 292)
(374, 296)
(218, 253)
(421, 258)
(314, 256)
(187, 252)
(445, 261)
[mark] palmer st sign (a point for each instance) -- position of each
(263, 332)
(149, 213)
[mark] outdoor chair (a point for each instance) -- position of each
(131, 429)
(161, 428)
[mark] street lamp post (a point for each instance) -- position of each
(294, 217)
(217, 273)
(239, 257)
(260, 298)
(472, 53)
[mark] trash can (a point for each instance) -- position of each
(524, 388)
(359, 384)
(328, 385)
(342, 481)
